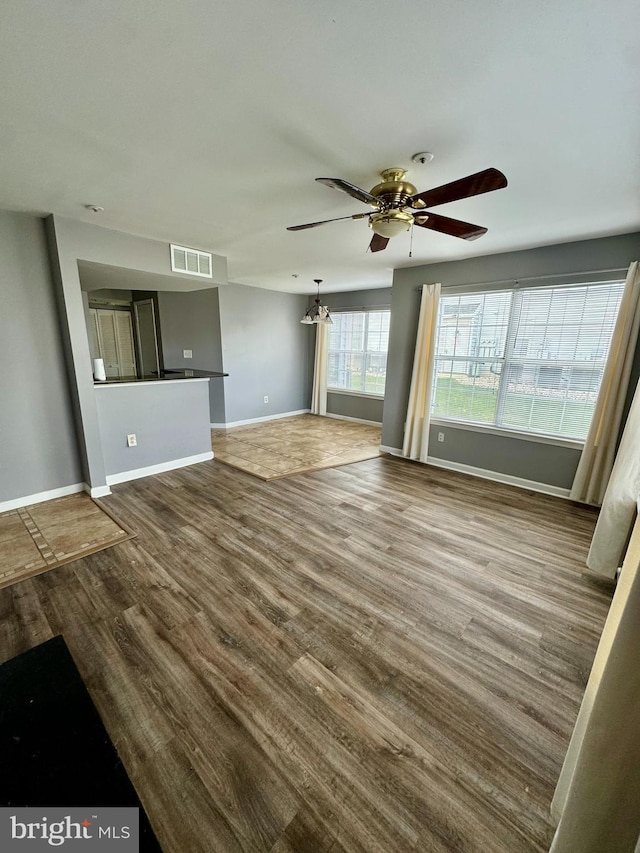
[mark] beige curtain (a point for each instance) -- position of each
(619, 506)
(416, 433)
(596, 462)
(596, 798)
(319, 393)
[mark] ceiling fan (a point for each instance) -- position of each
(398, 205)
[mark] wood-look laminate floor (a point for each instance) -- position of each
(40, 537)
(295, 445)
(379, 657)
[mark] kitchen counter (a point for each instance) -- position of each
(169, 374)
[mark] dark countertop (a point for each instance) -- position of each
(164, 375)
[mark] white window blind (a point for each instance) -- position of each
(358, 343)
(529, 360)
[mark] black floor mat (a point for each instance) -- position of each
(54, 749)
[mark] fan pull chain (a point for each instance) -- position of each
(411, 240)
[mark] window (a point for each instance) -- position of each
(358, 342)
(529, 360)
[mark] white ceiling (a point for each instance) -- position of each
(205, 122)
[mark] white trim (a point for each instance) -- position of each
(157, 382)
(497, 477)
(97, 491)
(355, 420)
(260, 420)
(492, 429)
(137, 473)
(40, 497)
(485, 474)
(366, 395)
(394, 451)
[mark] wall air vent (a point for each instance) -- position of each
(191, 261)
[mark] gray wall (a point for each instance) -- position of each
(38, 445)
(170, 421)
(71, 242)
(265, 351)
(351, 405)
(107, 295)
(135, 254)
(543, 463)
(352, 300)
(192, 321)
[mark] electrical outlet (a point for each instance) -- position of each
(187, 353)
(132, 441)
(440, 436)
(266, 398)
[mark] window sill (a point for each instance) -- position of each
(491, 429)
(366, 394)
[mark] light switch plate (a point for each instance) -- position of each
(187, 353)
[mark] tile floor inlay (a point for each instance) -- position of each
(37, 538)
(295, 445)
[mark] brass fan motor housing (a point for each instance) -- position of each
(393, 192)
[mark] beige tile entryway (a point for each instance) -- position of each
(295, 445)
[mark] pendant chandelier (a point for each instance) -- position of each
(317, 313)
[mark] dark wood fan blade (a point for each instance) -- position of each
(454, 227)
(481, 182)
(378, 243)
(349, 189)
(324, 221)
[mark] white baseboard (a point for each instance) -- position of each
(40, 497)
(355, 420)
(97, 491)
(260, 420)
(497, 477)
(485, 474)
(394, 451)
(137, 473)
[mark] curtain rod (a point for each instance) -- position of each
(621, 270)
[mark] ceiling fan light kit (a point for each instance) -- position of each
(317, 313)
(398, 205)
(392, 223)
